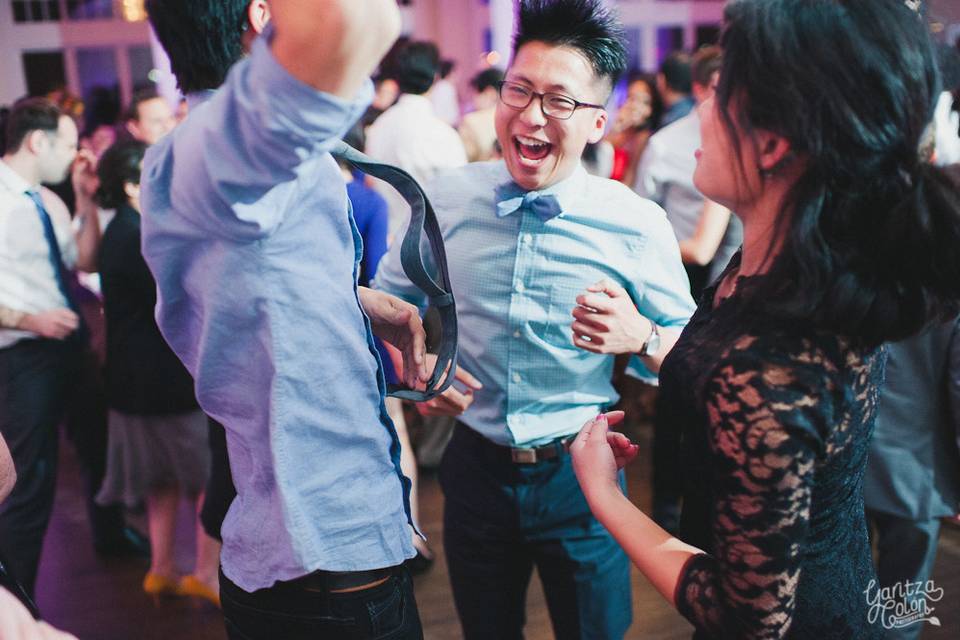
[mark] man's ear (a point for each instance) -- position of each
(599, 127)
(258, 15)
(132, 128)
(37, 141)
(773, 151)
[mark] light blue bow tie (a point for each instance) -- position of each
(545, 206)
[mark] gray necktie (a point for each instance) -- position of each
(422, 219)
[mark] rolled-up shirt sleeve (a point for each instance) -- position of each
(240, 155)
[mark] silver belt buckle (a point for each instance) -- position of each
(524, 456)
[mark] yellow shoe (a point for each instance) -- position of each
(158, 586)
(192, 586)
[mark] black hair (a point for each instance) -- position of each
(202, 38)
(446, 67)
(704, 63)
(139, 97)
(26, 116)
(119, 165)
(417, 64)
(487, 78)
(586, 26)
(676, 72)
(870, 232)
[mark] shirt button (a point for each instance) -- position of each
(516, 378)
(519, 287)
(527, 238)
(516, 334)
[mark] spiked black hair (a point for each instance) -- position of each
(587, 26)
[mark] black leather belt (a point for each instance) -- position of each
(341, 580)
(519, 455)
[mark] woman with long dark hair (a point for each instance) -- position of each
(851, 239)
(158, 450)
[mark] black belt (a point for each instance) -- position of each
(519, 455)
(422, 220)
(341, 580)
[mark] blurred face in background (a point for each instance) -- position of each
(56, 151)
(638, 107)
(154, 120)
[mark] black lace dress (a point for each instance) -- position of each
(775, 424)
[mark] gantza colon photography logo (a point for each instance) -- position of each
(902, 604)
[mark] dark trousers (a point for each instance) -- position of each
(906, 551)
(86, 426)
(33, 388)
(501, 519)
(295, 611)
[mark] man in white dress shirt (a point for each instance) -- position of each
(409, 134)
(39, 325)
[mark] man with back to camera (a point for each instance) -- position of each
(525, 236)
(247, 231)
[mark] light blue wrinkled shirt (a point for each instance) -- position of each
(516, 279)
(247, 230)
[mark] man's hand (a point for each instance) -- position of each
(451, 402)
(398, 323)
(607, 321)
(56, 324)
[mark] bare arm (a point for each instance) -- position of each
(702, 247)
(333, 45)
(88, 236)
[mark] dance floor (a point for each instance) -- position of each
(100, 599)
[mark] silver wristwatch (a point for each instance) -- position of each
(652, 345)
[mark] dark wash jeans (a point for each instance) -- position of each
(290, 611)
(503, 519)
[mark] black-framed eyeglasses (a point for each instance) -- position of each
(553, 105)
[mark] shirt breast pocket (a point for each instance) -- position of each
(556, 331)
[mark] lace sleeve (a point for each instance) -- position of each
(765, 418)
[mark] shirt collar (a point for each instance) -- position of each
(566, 191)
(414, 101)
(14, 181)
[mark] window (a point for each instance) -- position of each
(44, 71)
(669, 39)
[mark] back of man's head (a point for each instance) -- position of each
(486, 79)
(706, 65)
(417, 65)
(588, 27)
(202, 38)
(29, 115)
(676, 73)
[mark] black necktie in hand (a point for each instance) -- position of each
(422, 219)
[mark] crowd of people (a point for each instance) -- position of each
(766, 232)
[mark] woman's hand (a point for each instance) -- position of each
(598, 454)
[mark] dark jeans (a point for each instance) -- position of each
(33, 389)
(501, 519)
(291, 611)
